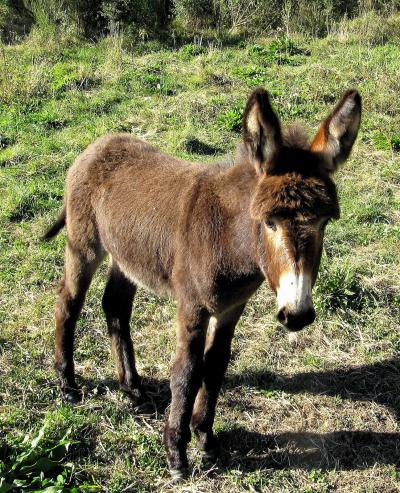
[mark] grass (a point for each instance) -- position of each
(318, 415)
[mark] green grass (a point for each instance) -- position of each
(318, 415)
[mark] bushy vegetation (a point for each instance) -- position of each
(317, 415)
(142, 19)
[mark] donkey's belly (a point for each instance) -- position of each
(141, 265)
(144, 257)
(150, 280)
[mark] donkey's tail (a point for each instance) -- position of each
(57, 226)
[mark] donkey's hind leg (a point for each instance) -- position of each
(79, 269)
(117, 305)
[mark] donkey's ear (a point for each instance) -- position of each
(261, 131)
(337, 133)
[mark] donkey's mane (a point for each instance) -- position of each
(295, 137)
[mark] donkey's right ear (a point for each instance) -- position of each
(261, 131)
(337, 133)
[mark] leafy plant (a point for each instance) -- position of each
(70, 76)
(191, 50)
(254, 75)
(231, 120)
(39, 466)
(280, 51)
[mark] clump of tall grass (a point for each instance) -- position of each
(370, 28)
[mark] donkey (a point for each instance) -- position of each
(208, 235)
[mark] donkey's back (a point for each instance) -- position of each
(126, 198)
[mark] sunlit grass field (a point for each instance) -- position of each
(318, 415)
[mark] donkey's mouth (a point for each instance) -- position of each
(295, 321)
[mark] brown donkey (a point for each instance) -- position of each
(207, 235)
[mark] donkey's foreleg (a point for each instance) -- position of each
(117, 306)
(186, 376)
(79, 269)
(216, 358)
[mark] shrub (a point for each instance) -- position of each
(93, 18)
(200, 13)
(137, 17)
(312, 17)
(141, 19)
(254, 15)
(15, 20)
(191, 50)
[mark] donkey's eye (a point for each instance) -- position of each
(270, 224)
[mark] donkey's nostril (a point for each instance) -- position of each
(282, 316)
(296, 320)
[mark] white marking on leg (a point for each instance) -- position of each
(212, 328)
(212, 325)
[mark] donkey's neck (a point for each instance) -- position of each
(235, 188)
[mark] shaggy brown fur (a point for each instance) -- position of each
(203, 234)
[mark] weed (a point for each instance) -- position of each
(231, 120)
(34, 203)
(40, 465)
(313, 360)
(280, 52)
(384, 142)
(66, 76)
(191, 50)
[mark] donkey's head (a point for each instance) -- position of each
(295, 197)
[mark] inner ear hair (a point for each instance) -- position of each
(336, 135)
(261, 130)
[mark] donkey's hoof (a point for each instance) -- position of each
(146, 407)
(72, 396)
(134, 393)
(210, 457)
(140, 400)
(179, 475)
(209, 447)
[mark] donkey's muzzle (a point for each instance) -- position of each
(296, 320)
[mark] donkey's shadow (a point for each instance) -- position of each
(378, 383)
(341, 450)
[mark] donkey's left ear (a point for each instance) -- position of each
(261, 131)
(337, 133)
